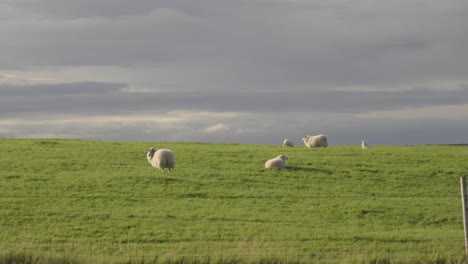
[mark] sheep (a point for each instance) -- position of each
(276, 163)
(161, 159)
(315, 141)
(365, 144)
(288, 143)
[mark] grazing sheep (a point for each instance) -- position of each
(364, 144)
(288, 143)
(315, 141)
(276, 163)
(161, 159)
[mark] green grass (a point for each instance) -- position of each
(72, 201)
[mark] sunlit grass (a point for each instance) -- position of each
(84, 201)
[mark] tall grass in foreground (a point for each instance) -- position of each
(72, 201)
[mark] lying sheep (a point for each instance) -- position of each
(161, 159)
(315, 141)
(276, 163)
(364, 144)
(288, 143)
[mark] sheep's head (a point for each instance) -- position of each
(151, 151)
(283, 157)
(305, 137)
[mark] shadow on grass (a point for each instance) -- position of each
(296, 168)
(168, 179)
(30, 259)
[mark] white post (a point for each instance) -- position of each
(465, 209)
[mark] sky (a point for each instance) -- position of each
(235, 71)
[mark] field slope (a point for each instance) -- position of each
(72, 201)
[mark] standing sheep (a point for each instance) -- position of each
(161, 159)
(315, 141)
(288, 143)
(276, 163)
(364, 144)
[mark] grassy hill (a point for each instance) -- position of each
(73, 201)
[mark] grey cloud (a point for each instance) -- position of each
(84, 8)
(398, 132)
(69, 9)
(109, 98)
(262, 58)
(263, 45)
(60, 89)
(262, 129)
(67, 98)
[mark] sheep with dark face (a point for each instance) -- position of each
(276, 163)
(161, 159)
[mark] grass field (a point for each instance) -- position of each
(72, 201)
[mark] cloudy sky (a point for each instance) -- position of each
(247, 71)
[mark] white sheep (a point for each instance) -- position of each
(276, 163)
(315, 141)
(161, 159)
(288, 143)
(365, 144)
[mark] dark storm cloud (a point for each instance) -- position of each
(59, 90)
(110, 98)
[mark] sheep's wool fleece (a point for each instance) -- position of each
(278, 162)
(365, 145)
(288, 143)
(315, 141)
(162, 159)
